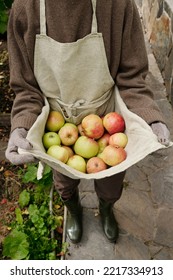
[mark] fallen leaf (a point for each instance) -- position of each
(57, 206)
(59, 230)
(4, 201)
(25, 212)
(12, 208)
(1, 169)
(8, 173)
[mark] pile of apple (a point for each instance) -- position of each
(96, 144)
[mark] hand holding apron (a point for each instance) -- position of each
(18, 140)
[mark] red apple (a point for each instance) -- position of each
(51, 138)
(103, 142)
(95, 164)
(118, 139)
(68, 134)
(77, 162)
(92, 126)
(113, 155)
(114, 122)
(86, 147)
(55, 121)
(58, 152)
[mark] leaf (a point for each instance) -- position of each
(24, 198)
(3, 27)
(59, 230)
(44, 211)
(19, 217)
(4, 201)
(16, 246)
(3, 21)
(65, 246)
(47, 170)
(31, 174)
(33, 210)
(52, 256)
(8, 173)
(58, 221)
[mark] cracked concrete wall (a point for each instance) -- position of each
(158, 22)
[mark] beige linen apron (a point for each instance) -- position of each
(75, 80)
(74, 77)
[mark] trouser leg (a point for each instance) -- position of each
(68, 190)
(65, 185)
(109, 190)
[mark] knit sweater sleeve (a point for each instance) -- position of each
(29, 101)
(133, 69)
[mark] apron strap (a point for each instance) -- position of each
(42, 17)
(94, 20)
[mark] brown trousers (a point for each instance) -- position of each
(109, 188)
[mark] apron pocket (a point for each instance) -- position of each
(76, 111)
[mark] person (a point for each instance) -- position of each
(73, 53)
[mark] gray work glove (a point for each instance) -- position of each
(163, 134)
(18, 140)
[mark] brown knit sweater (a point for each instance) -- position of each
(67, 21)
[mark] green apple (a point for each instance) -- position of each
(58, 152)
(51, 138)
(55, 121)
(77, 162)
(86, 147)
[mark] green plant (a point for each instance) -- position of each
(5, 5)
(31, 233)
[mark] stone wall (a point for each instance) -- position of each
(158, 23)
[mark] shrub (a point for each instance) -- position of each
(5, 6)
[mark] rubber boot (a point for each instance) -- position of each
(109, 223)
(74, 218)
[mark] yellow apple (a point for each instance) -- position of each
(68, 134)
(77, 162)
(118, 139)
(55, 121)
(58, 152)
